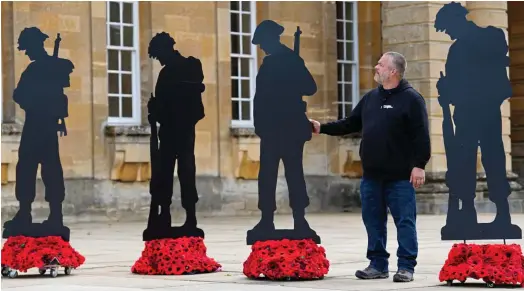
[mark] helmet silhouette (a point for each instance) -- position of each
(267, 29)
(30, 37)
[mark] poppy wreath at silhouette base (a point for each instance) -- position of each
(181, 256)
(286, 260)
(22, 253)
(492, 263)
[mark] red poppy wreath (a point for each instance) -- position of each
(286, 259)
(494, 264)
(22, 253)
(181, 256)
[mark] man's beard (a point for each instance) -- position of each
(378, 78)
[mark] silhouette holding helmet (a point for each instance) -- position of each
(283, 128)
(478, 56)
(177, 106)
(40, 93)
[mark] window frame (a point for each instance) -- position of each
(135, 118)
(355, 66)
(253, 61)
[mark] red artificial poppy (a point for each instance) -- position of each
(499, 264)
(22, 253)
(175, 257)
(286, 259)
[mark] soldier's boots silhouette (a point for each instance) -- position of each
(55, 217)
(22, 217)
(468, 213)
(503, 216)
(191, 221)
(300, 222)
(266, 222)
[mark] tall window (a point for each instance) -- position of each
(347, 57)
(243, 62)
(123, 69)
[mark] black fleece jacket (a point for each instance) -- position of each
(395, 133)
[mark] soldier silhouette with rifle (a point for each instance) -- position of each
(177, 106)
(476, 84)
(281, 123)
(40, 93)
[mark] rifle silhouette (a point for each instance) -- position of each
(154, 153)
(450, 146)
(66, 102)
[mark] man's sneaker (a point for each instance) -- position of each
(403, 276)
(371, 273)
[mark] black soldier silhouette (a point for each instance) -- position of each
(283, 128)
(40, 93)
(475, 84)
(177, 106)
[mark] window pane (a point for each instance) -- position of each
(246, 111)
(114, 35)
(340, 111)
(339, 72)
(234, 88)
(349, 31)
(128, 13)
(246, 23)
(113, 107)
(234, 109)
(245, 89)
(244, 67)
(235, 44)
(234, 22)
(112, 83)
(127, 84)
(349, 51)
(246, 6)
(234, 5)
(234, 67)
(128, 36)
(348, 92)
(114, 12)
(246, 45)
(340, 30)
(348, 108)
(349, 11)
(348, 73)
(112, 60)
(340, 93)
(127, 107)
(339, 10)
(340, 50)
(125, 61)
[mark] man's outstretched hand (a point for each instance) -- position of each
(315, 126)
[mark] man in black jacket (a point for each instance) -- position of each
(394, 150)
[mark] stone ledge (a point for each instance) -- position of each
(132, 130)
(248, 132)
(11, 129)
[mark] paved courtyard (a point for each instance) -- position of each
(112, 248)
